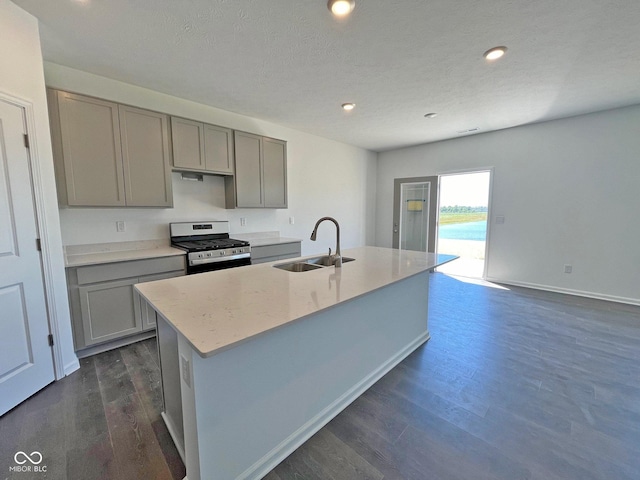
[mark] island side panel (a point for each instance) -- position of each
(249, 407)
(167, 339)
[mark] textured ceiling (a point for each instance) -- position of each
(292, 63)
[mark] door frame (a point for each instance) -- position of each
(489, 208)
(43, 229)
(433, 209)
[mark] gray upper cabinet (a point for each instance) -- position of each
(109, 155)
(146, 157)
(86, 138)
(248, 178)
(201, 147)
(218, 149)
(274, 172)
(261, 173)
(187, 138)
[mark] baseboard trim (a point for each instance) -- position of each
(306, 431)
(172, 431)
(121, 342)
(71, 367)
(568, 291)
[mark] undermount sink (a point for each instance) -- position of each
(297, 266)
(327, 261)
(310, 264)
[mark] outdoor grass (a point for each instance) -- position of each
(449, 218)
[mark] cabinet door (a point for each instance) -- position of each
(218, 149)
(91, 152)
(145, 156)
(147, 313)
(274, 170)
(248, 176)
(109, 311)
(187, 138)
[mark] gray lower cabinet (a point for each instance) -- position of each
(271, 253)
(260, 179)
(104, 306)
(201, 147)
(109, 155)
(109, 311)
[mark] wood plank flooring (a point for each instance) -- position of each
(514, 384)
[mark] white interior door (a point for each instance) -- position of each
(26, 361)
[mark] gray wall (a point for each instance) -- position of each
(568, 190)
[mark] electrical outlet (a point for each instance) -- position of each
(568, 268)
(121, 226)
(292, 220)
(499, 219)
(243, 221)
(186, 370)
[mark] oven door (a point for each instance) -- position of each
(209, 267)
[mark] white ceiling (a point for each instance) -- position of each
(292, 63)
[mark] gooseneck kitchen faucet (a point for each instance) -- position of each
(338, 256)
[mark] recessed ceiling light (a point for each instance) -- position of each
(348, 106)
(495, 53)
(340, 8)
(430, 115)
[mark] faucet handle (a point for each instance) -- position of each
(329, 251)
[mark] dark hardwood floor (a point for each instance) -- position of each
(514, 384)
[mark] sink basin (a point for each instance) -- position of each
(325, 260)
(297, 266)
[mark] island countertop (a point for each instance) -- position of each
(216, 310)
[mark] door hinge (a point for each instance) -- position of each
(26, 140)
(38, 245)
(50, 340)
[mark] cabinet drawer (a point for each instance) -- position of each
(288, 249)
(135, 268)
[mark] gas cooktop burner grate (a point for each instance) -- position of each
(198, 245)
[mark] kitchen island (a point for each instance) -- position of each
(256, 359)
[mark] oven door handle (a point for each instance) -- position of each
(226, 258)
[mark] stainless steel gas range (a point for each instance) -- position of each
(208, 246)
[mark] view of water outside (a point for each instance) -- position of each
(462, 224)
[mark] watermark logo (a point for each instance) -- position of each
(28, 462)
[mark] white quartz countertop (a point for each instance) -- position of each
(263, 242)
(95, 254)
(262, 239)
(216, 310)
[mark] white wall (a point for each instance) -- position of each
(568, 190)
(21, 75)
(324, 178)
